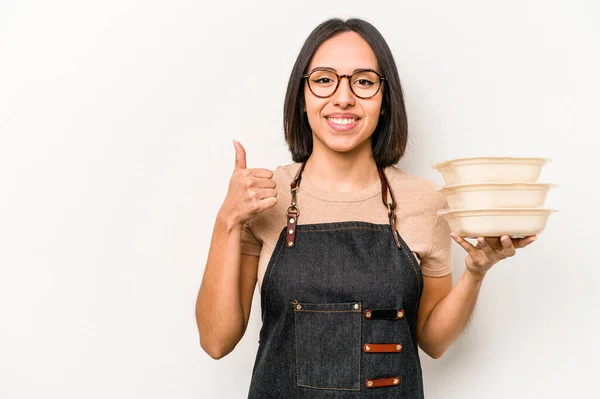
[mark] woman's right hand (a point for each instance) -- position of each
(250, 192)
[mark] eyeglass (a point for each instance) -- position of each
(323, 82)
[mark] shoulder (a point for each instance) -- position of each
(285, 173)
(414, 191)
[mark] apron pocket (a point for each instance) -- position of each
(328, 345)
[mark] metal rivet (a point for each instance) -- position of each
(290, 243)
(356, 306)
(368, 314)
(398, 347)
(369, 383)
(291, 231)
(400, 314)
(367, 348)
(298, 307)
(395, 381)
(291, 220)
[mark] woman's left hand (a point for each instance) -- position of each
(489, 250)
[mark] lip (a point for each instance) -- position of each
(343, 115)
(342, 128)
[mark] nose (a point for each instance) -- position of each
(343, 96)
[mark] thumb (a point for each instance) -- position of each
(240, 155)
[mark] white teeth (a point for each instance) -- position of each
(340, 121)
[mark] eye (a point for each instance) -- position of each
(323, 78)
(323, 81)
(364, 82)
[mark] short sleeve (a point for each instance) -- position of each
(250, 244)
(438, 261)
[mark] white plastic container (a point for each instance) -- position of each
(513, 222)
(496, 195)
(491, 170)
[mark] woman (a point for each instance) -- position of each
(352, 262)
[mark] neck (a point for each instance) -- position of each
(341, 171)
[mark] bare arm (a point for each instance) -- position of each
(225, 295)
(445, 311)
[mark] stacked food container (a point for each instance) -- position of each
(495, 196)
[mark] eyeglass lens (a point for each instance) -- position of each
(364, 84)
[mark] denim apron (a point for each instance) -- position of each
(339, 305)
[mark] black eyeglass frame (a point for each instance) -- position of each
(307, 75)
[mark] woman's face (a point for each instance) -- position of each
(343, 122)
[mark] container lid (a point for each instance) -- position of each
(479, 160)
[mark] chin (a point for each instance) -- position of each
(344, 144)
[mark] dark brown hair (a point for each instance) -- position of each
(391, 134)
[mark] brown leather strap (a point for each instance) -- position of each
(298, 176)
(395, 233)
(382, 382)
(385, 186)
(382, 348)
(384, 314)
(293, 212)
(292, 221)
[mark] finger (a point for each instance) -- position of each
(240, 155)
(267, 203)
(523, 242)
(485, 246)
(463, 243)
(261, 173)
(507, 246)
(265, 183)
(266, 193)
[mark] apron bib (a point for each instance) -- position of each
(339, 305)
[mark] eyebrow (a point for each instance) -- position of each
(335, 70)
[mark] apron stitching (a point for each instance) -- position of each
(296, 342)
(328, 311)
(269, 282)
(330, 389)
(341, 228)
(416, 275)
(359, 343)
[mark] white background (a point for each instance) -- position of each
(116, 122)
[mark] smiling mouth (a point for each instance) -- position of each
(342, 124)
(342, 121)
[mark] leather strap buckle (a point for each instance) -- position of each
(382, 348)
(382, 382)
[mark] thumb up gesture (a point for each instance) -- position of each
(250, 192)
